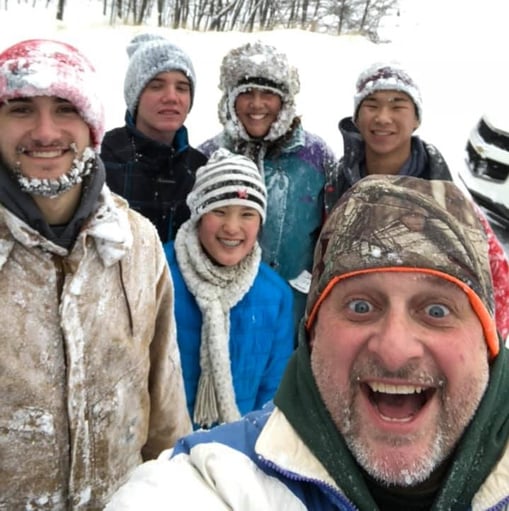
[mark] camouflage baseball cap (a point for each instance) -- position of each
(399, 223)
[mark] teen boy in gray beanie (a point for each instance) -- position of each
(150, 55)
(149, 160)
(380, 138)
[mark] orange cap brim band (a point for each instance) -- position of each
(487, 322)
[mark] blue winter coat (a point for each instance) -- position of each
(261, 336)
(295, 175)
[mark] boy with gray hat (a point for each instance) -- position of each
(380, 139)
(149, 161)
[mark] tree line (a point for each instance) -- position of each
(330, 16)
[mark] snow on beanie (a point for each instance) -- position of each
(43, 67)
(386, 76)
(401, 223)
(262, 66)
(227, 179)
(149, 55)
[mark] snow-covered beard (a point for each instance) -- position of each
(81, 166)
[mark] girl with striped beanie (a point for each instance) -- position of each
(233, 312)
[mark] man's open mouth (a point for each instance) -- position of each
(398, 403)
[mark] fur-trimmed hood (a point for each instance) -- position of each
(262, 66)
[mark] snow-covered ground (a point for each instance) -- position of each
(456, 51)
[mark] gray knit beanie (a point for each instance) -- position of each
(386, 76)
(227, 179)
(151, 54)
(401, 223)
(262, 66)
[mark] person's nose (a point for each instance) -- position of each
(231, 224)
(383, 115)
(396, 341)
(256, 99)
(45, 129)
(169, 94)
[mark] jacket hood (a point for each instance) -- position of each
(257, 65)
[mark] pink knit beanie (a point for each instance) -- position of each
(40, 67)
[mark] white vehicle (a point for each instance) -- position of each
(487, 165)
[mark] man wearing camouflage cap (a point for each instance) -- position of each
(395, 398)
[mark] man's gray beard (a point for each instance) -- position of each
(52, 188)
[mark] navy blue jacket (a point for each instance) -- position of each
(155, 178)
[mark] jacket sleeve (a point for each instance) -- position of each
(212, 477)
(335, 185)
(160, 485)
(109, 146)
(282, 348)
(169, 418)
(499, 266)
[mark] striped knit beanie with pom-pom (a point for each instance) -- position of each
(227, 179)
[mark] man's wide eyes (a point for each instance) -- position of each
(437, 310)
(360, 306)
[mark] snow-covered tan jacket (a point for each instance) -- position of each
(257, 463)
(89, 366)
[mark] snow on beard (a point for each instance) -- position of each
(81, 166)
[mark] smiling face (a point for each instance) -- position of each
(257, 109)
(229, 233)
(401, 364)
(386, 120)
(41, 136)
(164, 105)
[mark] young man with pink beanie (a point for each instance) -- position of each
(89, 365)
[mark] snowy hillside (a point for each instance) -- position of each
(460, 63)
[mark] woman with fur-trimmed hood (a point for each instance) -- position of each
(257, 111)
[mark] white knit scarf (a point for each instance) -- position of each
(216, 289)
